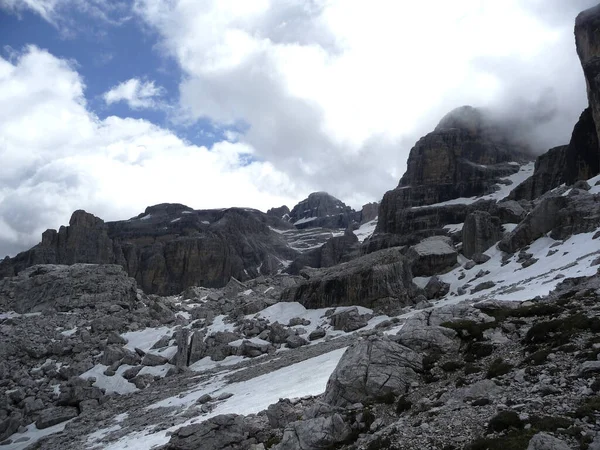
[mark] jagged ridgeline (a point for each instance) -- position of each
(460, 312)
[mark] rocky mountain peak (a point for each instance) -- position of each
(324, 210)
(166, 209)
(465, 118)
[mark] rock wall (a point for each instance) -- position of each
(167, 248)
(381, 279)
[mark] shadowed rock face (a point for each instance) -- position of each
(587, 40)
(167, 248)
(379, 280)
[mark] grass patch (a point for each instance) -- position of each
(588, 408)
(469, 330)
(559, 332)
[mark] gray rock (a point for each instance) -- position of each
(348, 320)
(436, 288)
(365, 281)
(317, 334)
(197, 347)
(151, 359)
(480, 258)
(226, 431)
(479, 233)
(432, 255)
(371, 369)
(64, 288)
(589, 367)
(182, 355)
(544, 441)
(295, 341)
(112, 354)
(433, 338)
(53, 416)
(315, 434)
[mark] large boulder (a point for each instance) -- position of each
(432, 255)
(365, 281)
(370, 370)
(315, 434)
(226, 431)
(544, 441)
(480, 232)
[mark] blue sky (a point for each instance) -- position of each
(106, 54)
(114, 105)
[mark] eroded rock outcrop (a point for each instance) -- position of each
(64, 288)
(380, 279)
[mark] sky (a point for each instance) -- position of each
(114, 105)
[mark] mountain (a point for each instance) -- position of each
(169, 247)
(320, 209)
(461, 314)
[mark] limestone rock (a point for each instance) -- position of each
(587, 40)
(66, 288)
(53, 416)
(562, 216)
(480, 232)
(364, 281)
(314, 434)
(348, 320)
(371, 369)
(322, 210)
(167, 248)
(432, 255)
(544, 441)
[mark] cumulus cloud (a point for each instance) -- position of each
(57, 156)
(136, 93)
(335, 93)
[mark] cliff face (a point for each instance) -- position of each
(587, 40)
(168, 248)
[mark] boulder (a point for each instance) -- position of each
(295, 341)
(562, 216)
(197, 347)
(182, 355)
(544, 441)
(372, 369)
(315, 434)
(226, 431)
(56, 415)
(479, 233)
(348, 320)
(431, 256)
(436, 288)
(150, 359)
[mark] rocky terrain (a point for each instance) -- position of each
(459, 313)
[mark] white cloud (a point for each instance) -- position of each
(137, 94)
(336, 92)
(56, 157)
